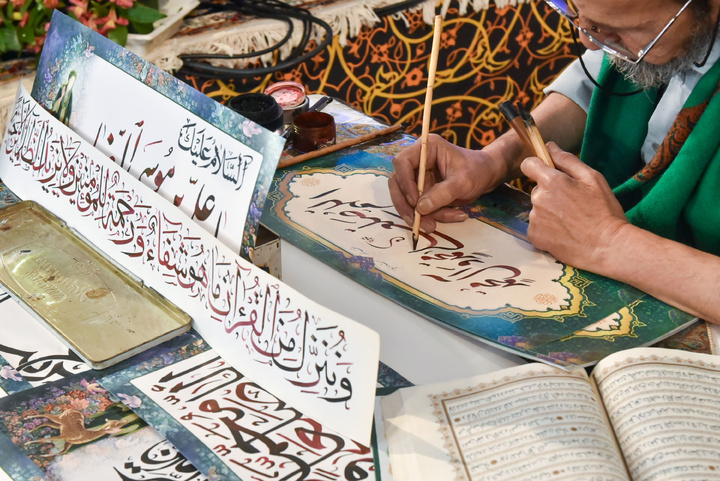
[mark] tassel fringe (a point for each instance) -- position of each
(346, 18)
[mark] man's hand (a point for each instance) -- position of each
(575, 216)
(455, 176)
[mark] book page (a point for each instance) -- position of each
(530, 422)
(665, 407)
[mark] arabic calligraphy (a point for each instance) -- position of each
(203, 171)
(474, 267)
(159, 462)
(258, 317)
(38, 368)
(256, 434)
(34, 354)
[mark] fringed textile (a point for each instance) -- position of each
(346, 17)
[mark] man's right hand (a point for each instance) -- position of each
(455, 176)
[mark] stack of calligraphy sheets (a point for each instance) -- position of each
(168, 185)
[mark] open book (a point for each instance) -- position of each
(643, 414)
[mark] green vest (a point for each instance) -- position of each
(681, 203)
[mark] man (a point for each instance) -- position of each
(643, 206)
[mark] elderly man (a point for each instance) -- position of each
(643, 204)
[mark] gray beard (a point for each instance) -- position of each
(646, 75)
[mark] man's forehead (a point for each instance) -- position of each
(621, 7)
(624, 12)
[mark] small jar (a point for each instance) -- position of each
(291, 97)
(262, 109)
(313, 131)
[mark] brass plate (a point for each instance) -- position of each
(99, 311)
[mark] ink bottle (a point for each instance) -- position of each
(313, 131)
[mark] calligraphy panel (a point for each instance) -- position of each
(481, 276)
(33, 355)
(211, 162)
(504, 271)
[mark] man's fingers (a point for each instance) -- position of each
(535, 169)
(566, 162)
(404, 166)
(440, 194)
(405, 210)
(450, 215)
(428, 223)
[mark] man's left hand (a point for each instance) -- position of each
(575, 216)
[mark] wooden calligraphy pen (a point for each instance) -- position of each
(426, 124)
(339, 146)
(524, 124)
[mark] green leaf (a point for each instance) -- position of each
(9, 9)
(119, 35)
(140, 14)
(101, 10)
(10, 39)
(155, 4)
(26, 34)
(141, 28)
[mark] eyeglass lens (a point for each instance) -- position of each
(569, 11)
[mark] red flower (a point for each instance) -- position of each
(52, 4)
(90, 21)
(110, 22)
(80, 8)
(124, 3)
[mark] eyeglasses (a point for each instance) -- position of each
(567, 10)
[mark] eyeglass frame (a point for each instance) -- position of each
(606, 47)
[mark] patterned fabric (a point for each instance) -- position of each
(694, 338)
(673, 142)
(486, 57)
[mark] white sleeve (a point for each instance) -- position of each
(574, 84)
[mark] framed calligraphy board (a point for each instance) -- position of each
(209, 161)
(481, 276)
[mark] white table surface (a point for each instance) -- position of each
(421, 350)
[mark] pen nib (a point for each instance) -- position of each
(414, 242)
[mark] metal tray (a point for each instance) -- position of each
(95, 308)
